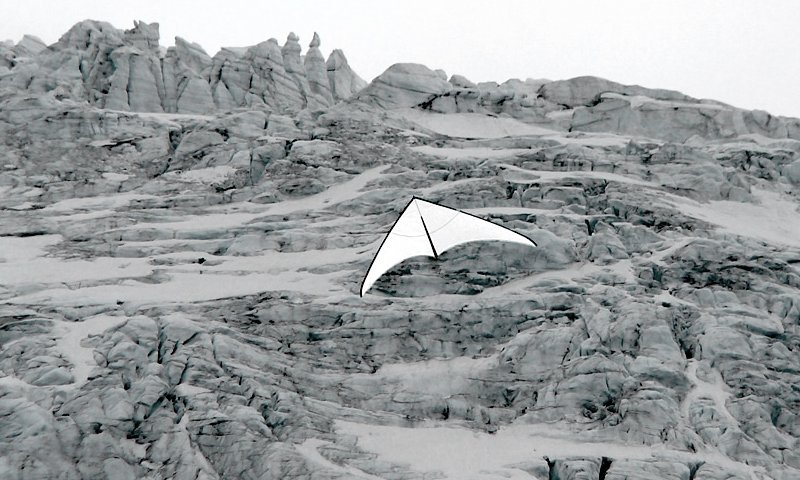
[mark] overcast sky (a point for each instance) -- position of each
(745, 53)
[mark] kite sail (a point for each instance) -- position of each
(428, 229)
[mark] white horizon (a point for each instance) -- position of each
(741, 53)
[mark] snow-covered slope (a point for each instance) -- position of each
(179, 292)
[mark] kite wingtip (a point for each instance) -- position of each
(529, 239)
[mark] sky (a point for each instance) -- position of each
(741, 52)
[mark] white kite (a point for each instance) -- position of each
(428, 229)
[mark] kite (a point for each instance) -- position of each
(428, 229)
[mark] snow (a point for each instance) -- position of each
(537, 176)
(412, 133)
(309, 449)
(270, 261)
(14, 383)
(574, 274)
(70, 336)
(775, 219)
(463, 454)
(336, 194)
(203, 175)
(25, 268)
(78, 217)
(184, 288)
(590, 139)
(471, 125)
(33, 276)
(186, 390)
(623, 268)
(50, 270)
(454, 185)
(438, 376)
(19, 250)
(198, 223)
(666, 297)
(475, 152)
(484, 211)
(638, 101)
(749, 139)
(105, 142)
(28, 271)
(33, 192)
(341, 192)
(22, 206)
(173, 116)
(96, 203)
(713, 391)
(115, 177)
(227, 218)
(160, 116)
(659, 256)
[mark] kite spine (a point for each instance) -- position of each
(430, 240)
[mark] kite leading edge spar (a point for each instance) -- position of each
(428, 229)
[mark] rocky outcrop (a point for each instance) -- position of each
(186, 66)
(29, 46)
(404, 85)
(317, 73)
(585, 91)
(588, 104)
(343, 80)
(134, 86)
(675, 121)
(129, 71)
(293, 64)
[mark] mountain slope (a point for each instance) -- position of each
(179, 293)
